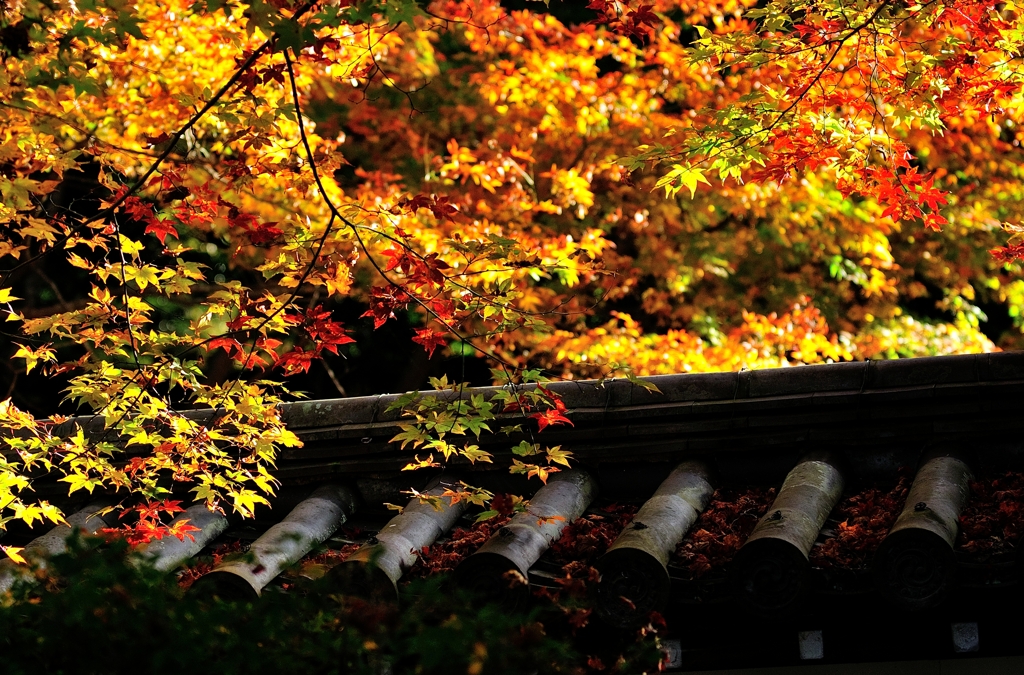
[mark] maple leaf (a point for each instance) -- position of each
(14, 553)
(559, 456)
(420, 463)
(396, 258)
(161, 229)
(474, 454)
(229, 345)
(264, 233)
(384, 302)
(429, 339)
(182, 529)
(411, 433)
(497, 242)
(1006, 254)
(171, 506)
(296, 361)
(642, 19)
(531, 470)
(550, 417)
(682, 176)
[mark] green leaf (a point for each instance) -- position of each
(474, 454)
(645, 384)
(524, 449)
(403, 401)
(476, 425)
(411, 434)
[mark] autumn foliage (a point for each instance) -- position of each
(862, 520)
(721, 529)
(207, 206)
(445, 556)
(992, 521)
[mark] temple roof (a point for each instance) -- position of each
(839, 454)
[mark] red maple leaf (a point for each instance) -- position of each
(1008, 253)
(550, 417)
(384, 302)
(229, 345)
(396, 258)
(171, 506)
(553, 398)
(182, 529)
(264, 233)
(430, 340)
(443, 309)
(138, 209)
(296, 361)
(325, 332)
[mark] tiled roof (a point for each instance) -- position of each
(761, 492)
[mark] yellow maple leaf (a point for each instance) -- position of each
(14, 553)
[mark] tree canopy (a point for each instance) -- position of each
(220, 204)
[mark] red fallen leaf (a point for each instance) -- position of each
(332, 557)
(589, 536)
(579, 618)
(429, 339)
(192, 572)
(992, 521)
(865, 519)
(445, 556)
(549, 417)
(722, 528)
(503, 504)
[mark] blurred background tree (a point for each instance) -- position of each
(203, 198)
